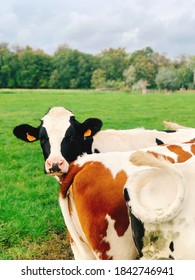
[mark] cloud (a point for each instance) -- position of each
(166, 26)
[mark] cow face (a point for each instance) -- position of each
(61, 136)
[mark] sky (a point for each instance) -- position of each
(168, 26)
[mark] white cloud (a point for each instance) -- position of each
(91, 26)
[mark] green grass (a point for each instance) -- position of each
(31, 224)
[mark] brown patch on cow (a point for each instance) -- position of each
(182, 155)
(161, 155)
(69, 205)
(190, 142)
(67, 179)
(97, 194)
(193, 148)
(70, 237)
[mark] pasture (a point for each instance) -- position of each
(31, 224)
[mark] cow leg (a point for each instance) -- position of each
(80, 248)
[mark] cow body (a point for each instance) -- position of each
(162, 200)
(111, 140)
(93, 206)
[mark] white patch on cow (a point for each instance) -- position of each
(79, 246)
(56, 122)
(115, 161)
(138, 138)
(180, 230)
(118, 244)
(151, 199)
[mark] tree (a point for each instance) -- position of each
(167, 79)
(87, 63)
(98, 78)
(113, 62)
(34, 68)
(129, 75)
(185, 76)
(8, 67)
(72, 69)
(145, 67)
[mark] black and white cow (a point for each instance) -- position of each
(63, 138)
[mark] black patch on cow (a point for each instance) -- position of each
(168, 131)
(171, 246)
(88, 145)
(22, 130)
(138, 233)
(93, 124)
(72, 144)
(126, 195)
(159, 142)
(44, 141)
(171, 257)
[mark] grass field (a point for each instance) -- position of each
(31, 224)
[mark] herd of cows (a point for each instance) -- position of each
(124, 194)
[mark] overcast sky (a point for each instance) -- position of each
(168, 26)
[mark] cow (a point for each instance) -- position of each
(63, 138)
(161, 205)
(93, 206)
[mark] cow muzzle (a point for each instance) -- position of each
(56, 166)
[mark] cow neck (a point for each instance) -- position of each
(67, 180)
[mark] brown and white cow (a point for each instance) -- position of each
(161, 202)
(93, 206)
(63, 138)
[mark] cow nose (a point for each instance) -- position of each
(55, 166)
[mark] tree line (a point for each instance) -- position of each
(25, 67)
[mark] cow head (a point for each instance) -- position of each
(61, 136)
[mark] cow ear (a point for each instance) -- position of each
(90, 127)
(26, 132)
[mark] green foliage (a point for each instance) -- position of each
(145, 67)
(167, 78)
(71, 69)
(34, 69)
(185, 76)
(98, 79)
(129, 75)
(8, 66)
(113, 62)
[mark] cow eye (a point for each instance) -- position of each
(69, 137)
(43, 141)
